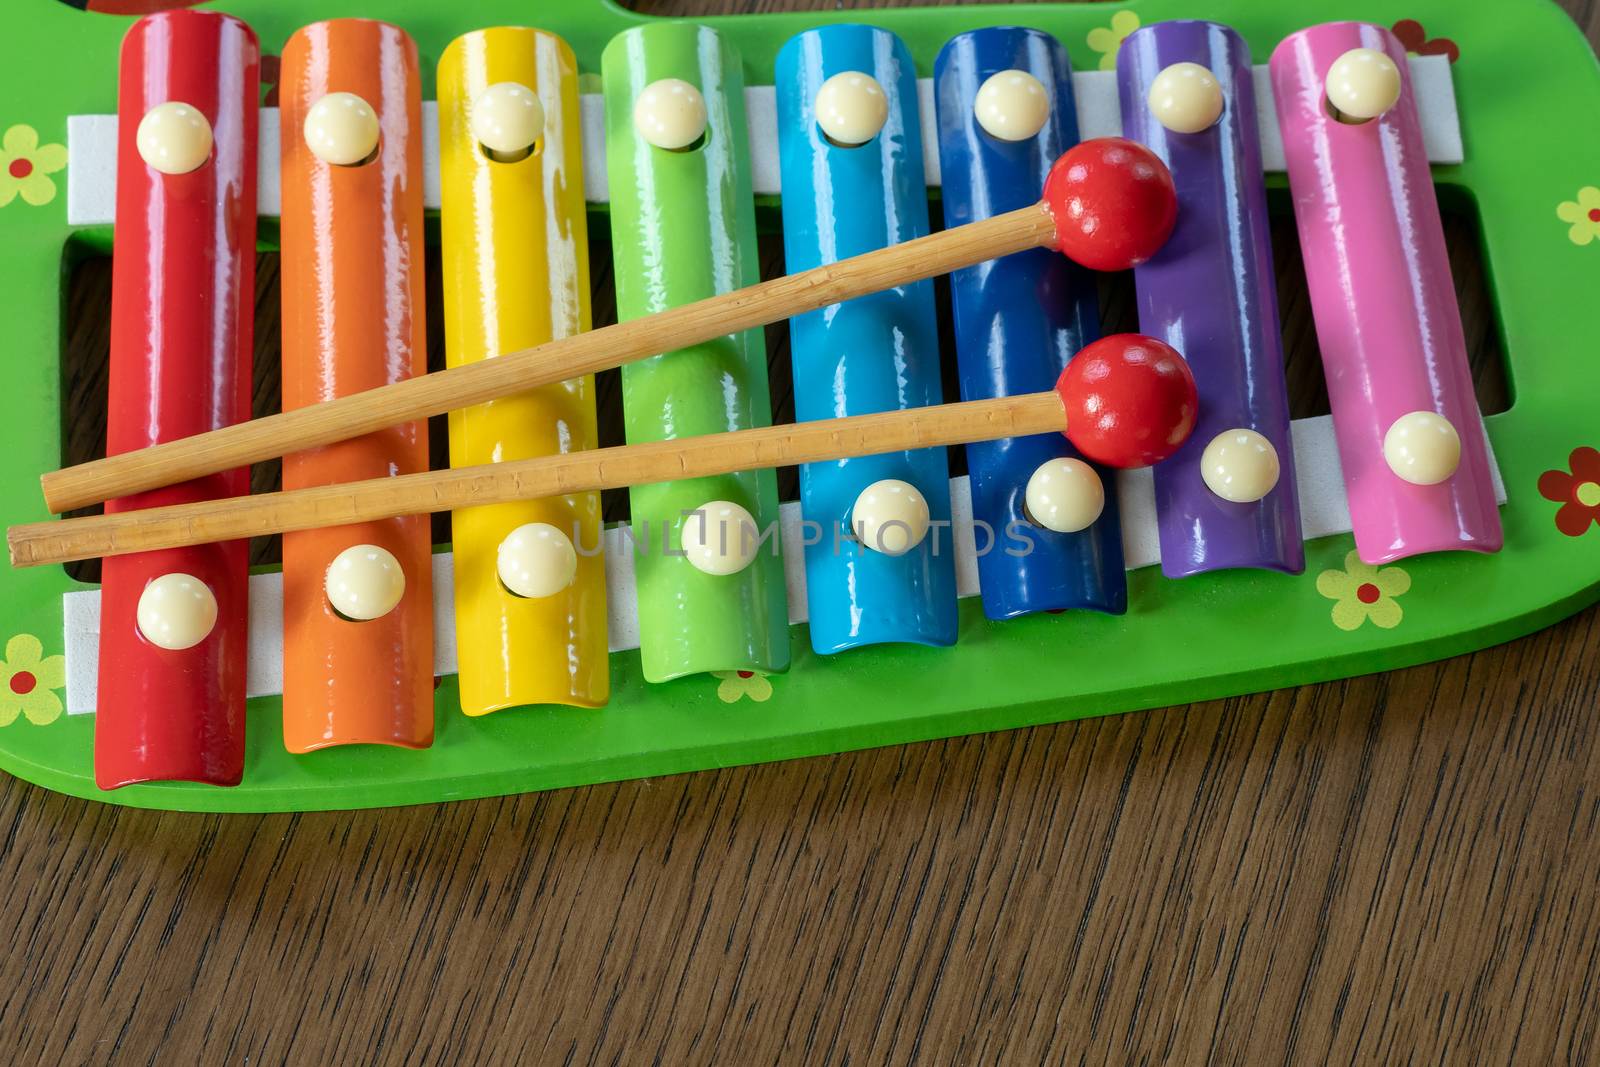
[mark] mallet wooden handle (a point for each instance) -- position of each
(605, 468)
(570, 357)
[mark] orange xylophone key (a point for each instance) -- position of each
(353, 320)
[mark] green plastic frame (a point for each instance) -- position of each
(1529, 95)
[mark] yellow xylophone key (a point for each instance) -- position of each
(514, 260)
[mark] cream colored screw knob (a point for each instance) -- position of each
(537, 560)
(1363, 83)
(890, 517)
(720, 537)
(1240, 465)
(507, 119)
(1012, 105)
(1065, 495)
(670, 114)
(342, 129)
(1185, 98)
(176, 611)
(1422, 448)
(174, 138)
(365, 582)
(851, 108)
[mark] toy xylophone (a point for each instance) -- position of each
(719, 625)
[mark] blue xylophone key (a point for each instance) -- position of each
(876, 353)
(1017, 322)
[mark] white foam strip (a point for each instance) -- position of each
(92, 139)
(1323, 511)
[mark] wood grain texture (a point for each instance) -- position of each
(1392, 869)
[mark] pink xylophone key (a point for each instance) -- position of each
(1387, 321)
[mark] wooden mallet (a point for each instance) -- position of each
(1124, 401)
(1108, 203)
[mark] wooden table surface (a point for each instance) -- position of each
(1398, 868)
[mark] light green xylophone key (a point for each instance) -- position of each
(683, 228)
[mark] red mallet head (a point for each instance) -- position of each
(1113, 202)
(1130, 400)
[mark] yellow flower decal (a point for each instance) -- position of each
(25, 166)
(1106, 40)
(1583, 213)
(1361, 592)
(736, 685)
(28, 681)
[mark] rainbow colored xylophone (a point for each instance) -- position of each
(718, 656)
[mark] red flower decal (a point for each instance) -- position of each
(1577, 491)
(1415, 38)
